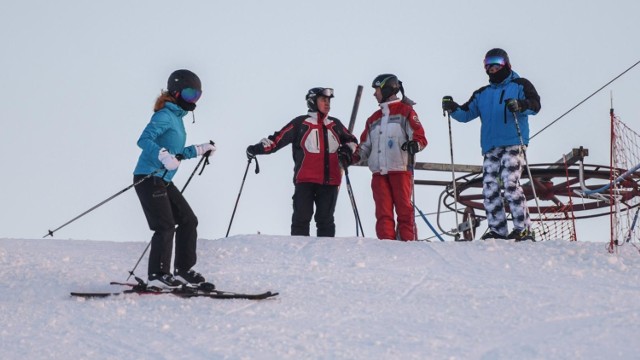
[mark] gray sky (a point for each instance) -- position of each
(80, 79)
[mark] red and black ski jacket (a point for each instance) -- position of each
(314, 145)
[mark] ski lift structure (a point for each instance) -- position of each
(566, 190)
(555, 184)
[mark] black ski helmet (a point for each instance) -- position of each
(490, 58)
(388, 83)
(501, 53)
(314, 93)
(182, 79)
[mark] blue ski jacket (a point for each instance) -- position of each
(498, 125)
(165, 130)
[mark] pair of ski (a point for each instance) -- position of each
(203, 290)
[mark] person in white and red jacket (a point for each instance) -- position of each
(390, 140)
(317, 140)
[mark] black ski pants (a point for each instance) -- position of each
(305, 196)
(165, 207)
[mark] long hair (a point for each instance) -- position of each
(162, 99)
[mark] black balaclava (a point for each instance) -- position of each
(186, 106)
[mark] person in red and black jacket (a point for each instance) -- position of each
(316, 140)
(389, 142)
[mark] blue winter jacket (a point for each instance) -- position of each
(165, 130)
(489, 103)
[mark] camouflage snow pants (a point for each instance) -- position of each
(503, 166)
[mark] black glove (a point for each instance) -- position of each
(252, 151)
(411, 146)
(449, 105)
(345, 155)
(515, 105)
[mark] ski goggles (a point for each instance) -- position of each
(494, 60)
(190, 95)
(328, 92)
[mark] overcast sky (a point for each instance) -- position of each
(80, 79)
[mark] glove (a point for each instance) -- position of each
(252, 151)
(411, 146)
(203, 149)
(169, 161)
(515, 105)
(449, 105)
(345, 155)
(266, 143)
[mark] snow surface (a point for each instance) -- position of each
(340, 298)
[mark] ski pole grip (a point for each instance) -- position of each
(208, 153)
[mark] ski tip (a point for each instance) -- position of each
(263, 296)
(266, 295)
(92, 295)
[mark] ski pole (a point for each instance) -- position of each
(205, 159)
(356, 214)
(526, 162)
(453, 175)
(352, 121)
(412, 160)
(131, 273)
(50, 232)
(240, 193)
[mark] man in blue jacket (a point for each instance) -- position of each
(503, 145)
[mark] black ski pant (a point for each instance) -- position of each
(165, 207)
(305, 196)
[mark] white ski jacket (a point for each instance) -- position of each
(385, 132)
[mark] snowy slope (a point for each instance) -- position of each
(342, 298)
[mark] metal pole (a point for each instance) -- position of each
(240, 192)
(353, 203)
(533, 187)
(453, 178)
(50, 232)
(428, 223)
(205, 158)
(138, 262)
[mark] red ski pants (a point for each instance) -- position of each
(389, 191)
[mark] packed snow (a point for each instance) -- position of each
(340, 298)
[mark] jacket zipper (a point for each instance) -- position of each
(505, 106)
(325, 139)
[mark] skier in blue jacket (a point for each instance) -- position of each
(163, 147)
(507, 94)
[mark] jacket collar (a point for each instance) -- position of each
(514, 75)
(177, 110)
(314, 115)
(387, 103)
